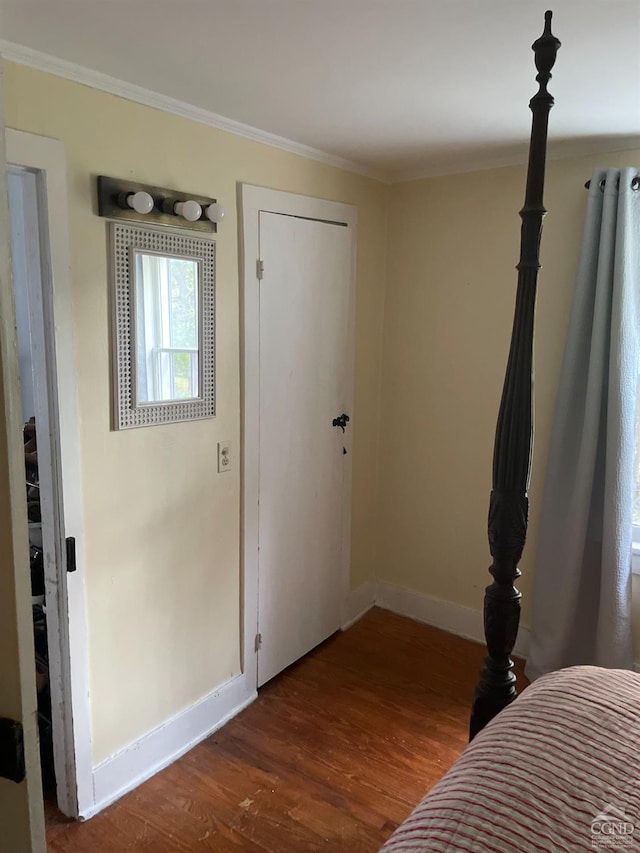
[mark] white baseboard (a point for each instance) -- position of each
(137, 762)
(454, 618)
(359, 601)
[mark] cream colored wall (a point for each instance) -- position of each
(162, 527)
(453, 243)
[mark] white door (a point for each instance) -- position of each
(21, 810)
(304, 385)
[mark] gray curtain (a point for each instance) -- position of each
(582, 582)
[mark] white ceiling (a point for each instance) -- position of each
(403, 88)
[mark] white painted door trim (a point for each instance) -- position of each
(70, 659)
(21, 807)
(254, 199)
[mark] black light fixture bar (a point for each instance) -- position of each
(115, 199)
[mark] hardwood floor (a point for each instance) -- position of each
(334, 753)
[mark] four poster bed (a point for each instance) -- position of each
(558, 769)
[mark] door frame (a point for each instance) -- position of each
(68, 656)
(252, 201)
(21, 805)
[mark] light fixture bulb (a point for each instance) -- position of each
(215, 212)
(141, 202)
(189, 210)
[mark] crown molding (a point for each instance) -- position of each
(558, 149)
(22, 55)
(458, 167)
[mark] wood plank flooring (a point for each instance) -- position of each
(334, 753)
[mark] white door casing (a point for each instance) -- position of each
(55, 368)
(255, 200)
(304, 305)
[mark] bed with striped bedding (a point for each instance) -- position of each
(557, 770)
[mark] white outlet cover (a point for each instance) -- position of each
(224, 456)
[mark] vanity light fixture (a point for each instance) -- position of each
(214, 212)
(156, 205)
(189, 210)
(142, 202)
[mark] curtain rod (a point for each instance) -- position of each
(635, 183)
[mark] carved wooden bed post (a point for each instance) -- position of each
(509, 504)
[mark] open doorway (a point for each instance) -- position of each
(28, 246)
(38, 223)
(27, 281)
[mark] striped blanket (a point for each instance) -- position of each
(558, 770)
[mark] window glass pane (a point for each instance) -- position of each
(184, 303)
(167, 297)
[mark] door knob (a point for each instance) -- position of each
(341, 421)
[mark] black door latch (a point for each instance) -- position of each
(70, 545)
(341, 421)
